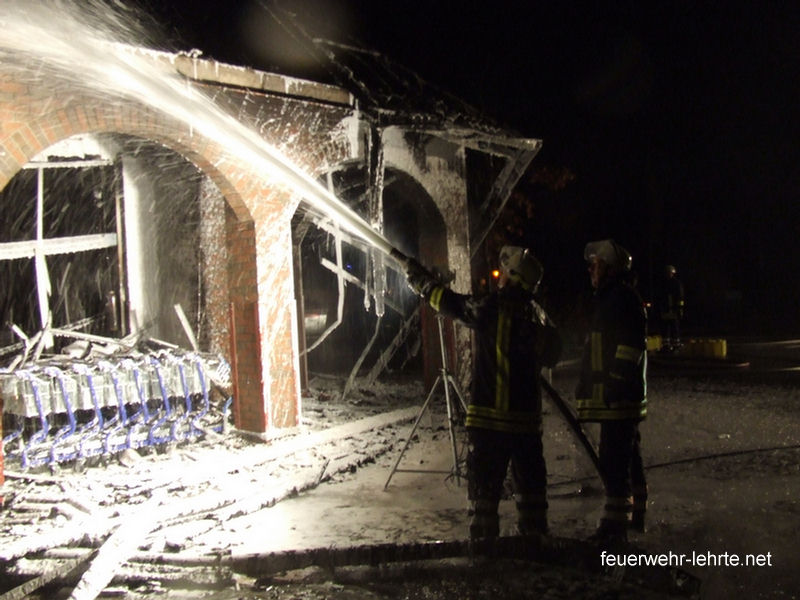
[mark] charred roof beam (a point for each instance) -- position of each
(498, 195)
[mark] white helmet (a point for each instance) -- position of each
(610, 252)
(671, 270)
(521, 267)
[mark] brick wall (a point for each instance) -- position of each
(37, 111)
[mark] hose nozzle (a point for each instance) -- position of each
(401, 258)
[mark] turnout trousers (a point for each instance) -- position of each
(490, 453)
(623, 473)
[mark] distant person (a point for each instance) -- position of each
(672, 305)
(612, 387)
(514, 339)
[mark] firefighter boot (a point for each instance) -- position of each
(639, 508)
(484, 530)
(610, 532)
(485, 521)
(532, 514)
(637, 521)
(613, 526)
(533, 526)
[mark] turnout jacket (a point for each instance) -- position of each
(513, 339)
(672, 303)
(614, 365)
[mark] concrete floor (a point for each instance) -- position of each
(722, 446)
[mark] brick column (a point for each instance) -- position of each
(215, 334)
(278, 321)
(249, 406)
(264, 349)
(2, 467)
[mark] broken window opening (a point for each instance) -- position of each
(340, 284)
(59, 251)
(323, 275)
(331, 253)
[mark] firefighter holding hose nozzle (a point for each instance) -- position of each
(514, 340)
(612, 387)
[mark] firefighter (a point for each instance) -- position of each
(672, 304)
(514, 339)
(612, 387)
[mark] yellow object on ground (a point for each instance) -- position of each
(654, 343)
(708, 348)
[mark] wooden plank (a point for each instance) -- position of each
(117, 548)
(187, 329)
(131, 529)
(61, 571)
(56, 536)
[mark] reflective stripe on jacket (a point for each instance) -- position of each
(513, 340)
(614, 366)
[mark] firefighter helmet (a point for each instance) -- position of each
(610, 252)
(521, 267)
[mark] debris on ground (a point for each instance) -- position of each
(197, 510)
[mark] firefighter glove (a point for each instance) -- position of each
(419, 278)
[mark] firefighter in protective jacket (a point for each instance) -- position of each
(612, 387)
(672, 307)
(514, 339)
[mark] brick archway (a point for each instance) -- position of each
(318, 127)
(260, 300)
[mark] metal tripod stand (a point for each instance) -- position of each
(446, 379)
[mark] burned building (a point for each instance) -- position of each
(164, 204)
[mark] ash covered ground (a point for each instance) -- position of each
(722, 446)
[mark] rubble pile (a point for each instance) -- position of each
(130, 517)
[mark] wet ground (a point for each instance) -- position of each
(722, 446)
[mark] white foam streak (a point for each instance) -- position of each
(113, 69)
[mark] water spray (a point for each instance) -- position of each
(65, 40)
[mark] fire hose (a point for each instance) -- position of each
(574, 425)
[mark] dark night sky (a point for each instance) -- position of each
(677, 119)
